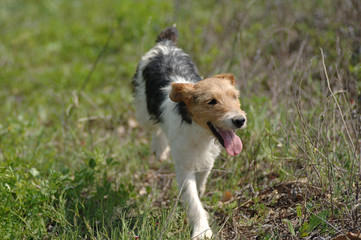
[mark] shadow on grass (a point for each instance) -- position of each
(94, 206)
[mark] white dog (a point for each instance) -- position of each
(191, 115)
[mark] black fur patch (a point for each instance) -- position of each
(170, 33)
(157, 76)
(182, 110)
(135, 85)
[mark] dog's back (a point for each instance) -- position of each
(162, 65)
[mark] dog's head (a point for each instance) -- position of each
(213, 104)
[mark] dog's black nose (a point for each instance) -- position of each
(238, 122)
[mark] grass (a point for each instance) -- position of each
(74, 164)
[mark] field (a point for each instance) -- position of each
(74, 164)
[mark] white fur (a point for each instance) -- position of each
(192, 147)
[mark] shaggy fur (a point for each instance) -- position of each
(188, 116)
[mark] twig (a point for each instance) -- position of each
(222, 226)
(143, 38)
(100, 54)
(338, 105)
(343, 121)
(90, 132)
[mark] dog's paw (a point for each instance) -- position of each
(204, 234)
(201, 190)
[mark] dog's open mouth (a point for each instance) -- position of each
(228, 139)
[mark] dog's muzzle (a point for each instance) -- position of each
(227, 138)
(216, 134)
(238, 122)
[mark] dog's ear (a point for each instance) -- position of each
(181, 92)
(228, 76)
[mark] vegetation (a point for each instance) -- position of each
(75, 165)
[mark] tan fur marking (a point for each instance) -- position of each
(181, 92)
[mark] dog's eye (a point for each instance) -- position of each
(212, 102)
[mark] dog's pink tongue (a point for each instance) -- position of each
(232, 142)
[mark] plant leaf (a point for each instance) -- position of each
(316, 220)
(92, 163)
(290, 227)
(34, 172)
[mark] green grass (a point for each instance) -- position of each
(73, 165)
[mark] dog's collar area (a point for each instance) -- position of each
(215, 133)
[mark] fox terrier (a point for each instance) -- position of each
(188, 117)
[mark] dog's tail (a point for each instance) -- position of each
(170, 33)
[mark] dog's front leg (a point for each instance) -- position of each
(197, 215)
(201, 179)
